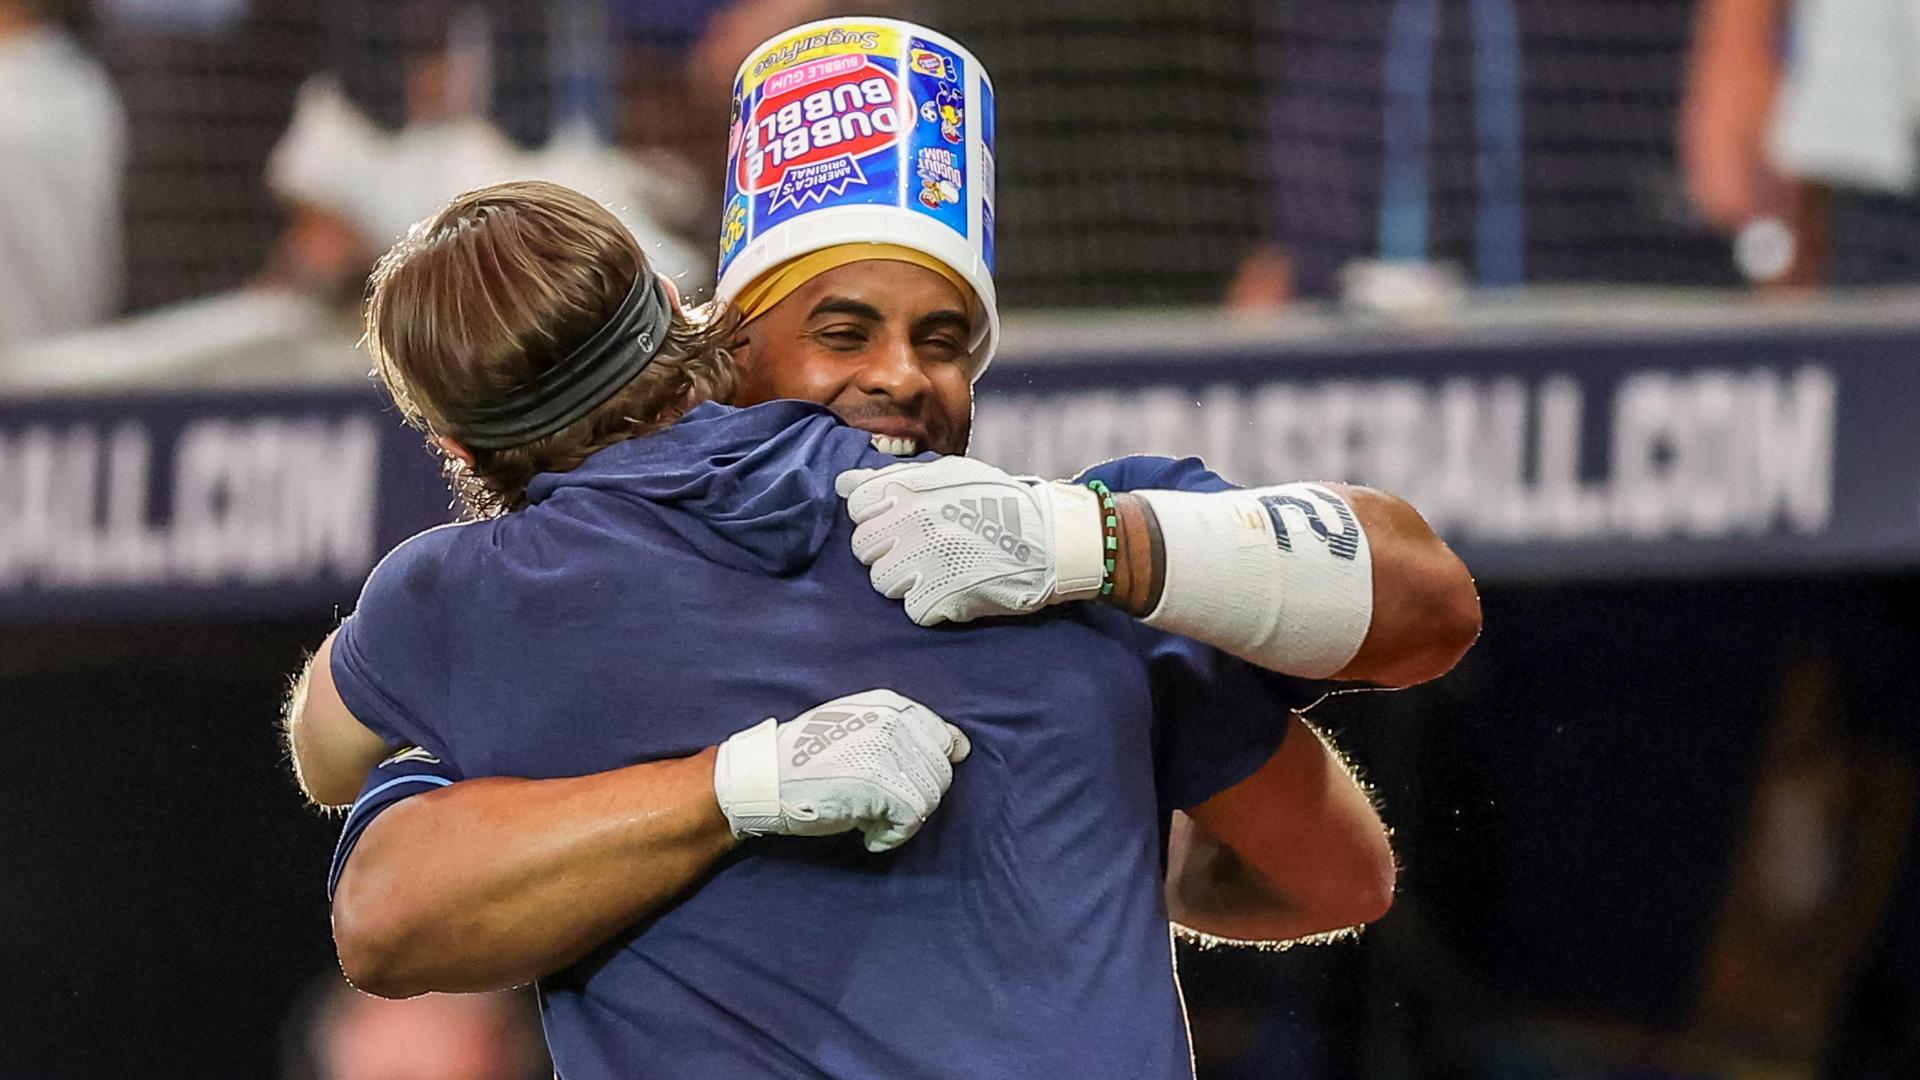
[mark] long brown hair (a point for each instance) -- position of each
(498, 286)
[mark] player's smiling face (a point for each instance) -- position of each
(881, 343)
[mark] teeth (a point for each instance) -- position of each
(898, 446)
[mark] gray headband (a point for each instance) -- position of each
(581, 381)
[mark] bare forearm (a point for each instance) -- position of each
(330, 750)
(1296, 849)
(1426, 609)
(1735, 51)
(1213, 893)
(495, 882)
(1732, 73)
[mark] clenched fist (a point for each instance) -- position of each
(874, 761)
(958, 539)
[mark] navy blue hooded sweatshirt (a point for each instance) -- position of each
(677, 588)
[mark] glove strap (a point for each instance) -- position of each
(1079, 560)
(746, 778)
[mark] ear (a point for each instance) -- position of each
(453, 449)
(742, 352)
(742, 349)
(673, 294)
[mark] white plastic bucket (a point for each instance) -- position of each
(861, 130)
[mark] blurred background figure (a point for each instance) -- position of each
(467, 97)
(299, 137)
(62, 154)
(1393, 153)
(278, 145)
(1419, 147)
(342, 1034)
(1801, 137)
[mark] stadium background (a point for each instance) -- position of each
(1659, 823)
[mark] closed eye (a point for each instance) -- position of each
(944, 332)
(947, 348)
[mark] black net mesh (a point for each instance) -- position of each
(1146, 146)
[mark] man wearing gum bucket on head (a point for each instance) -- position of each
(1023, 931)
(878, 301)
(857, 240)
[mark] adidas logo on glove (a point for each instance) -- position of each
(825, 729)
(996, 520)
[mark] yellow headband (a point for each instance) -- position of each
(777, 284)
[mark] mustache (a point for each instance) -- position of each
(937, 429)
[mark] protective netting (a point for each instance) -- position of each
(1148, 148)
(211, 88)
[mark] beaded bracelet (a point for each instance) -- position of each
(1110, 525)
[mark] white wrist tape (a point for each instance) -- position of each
(746, 779)
(1079, 541)
(1280, 577)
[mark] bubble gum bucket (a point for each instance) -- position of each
(861, 130)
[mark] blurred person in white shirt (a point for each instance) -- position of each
(62, 155)
(1800, 137)
(354, 186)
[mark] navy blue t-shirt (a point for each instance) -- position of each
(675, 589)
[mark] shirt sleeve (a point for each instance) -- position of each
(1217, 718)
(410, 772)
(389, 656)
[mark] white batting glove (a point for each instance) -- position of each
(960, 540)
(873, 761)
